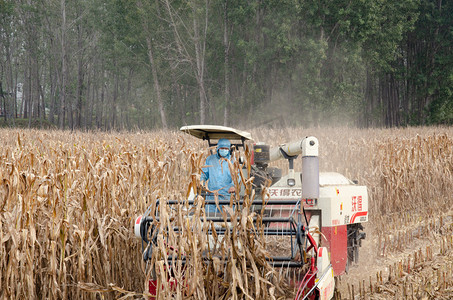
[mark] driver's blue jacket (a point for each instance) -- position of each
(217, 172)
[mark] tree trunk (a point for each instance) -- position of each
(200, 46)
(80, 74)
(114, 101)
(89, 102)
(30, 93)
(127, 97)
(9, 113)
(2, 96)
(42, 103)
(52, 98)
(61, 117)
(157, 88)
(226, 49)
(22, 102)
(15, 95)
(100, 109)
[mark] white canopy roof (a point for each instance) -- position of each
(215, 132)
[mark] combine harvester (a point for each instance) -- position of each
(319, 215)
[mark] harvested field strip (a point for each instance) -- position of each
(426, 273)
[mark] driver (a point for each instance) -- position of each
(217, 173)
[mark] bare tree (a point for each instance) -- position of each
(196, 42)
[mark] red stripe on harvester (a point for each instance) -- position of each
(359, 214)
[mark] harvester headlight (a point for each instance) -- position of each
(291, 182)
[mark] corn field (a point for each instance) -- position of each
(68, 204)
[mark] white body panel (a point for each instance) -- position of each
(341, 201)
(326, 285)
(325, 278)
(342, 205)
(137, 223)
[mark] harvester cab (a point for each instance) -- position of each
(315, 216)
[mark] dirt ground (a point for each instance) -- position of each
(423, 270)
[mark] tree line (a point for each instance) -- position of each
(127, 64)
